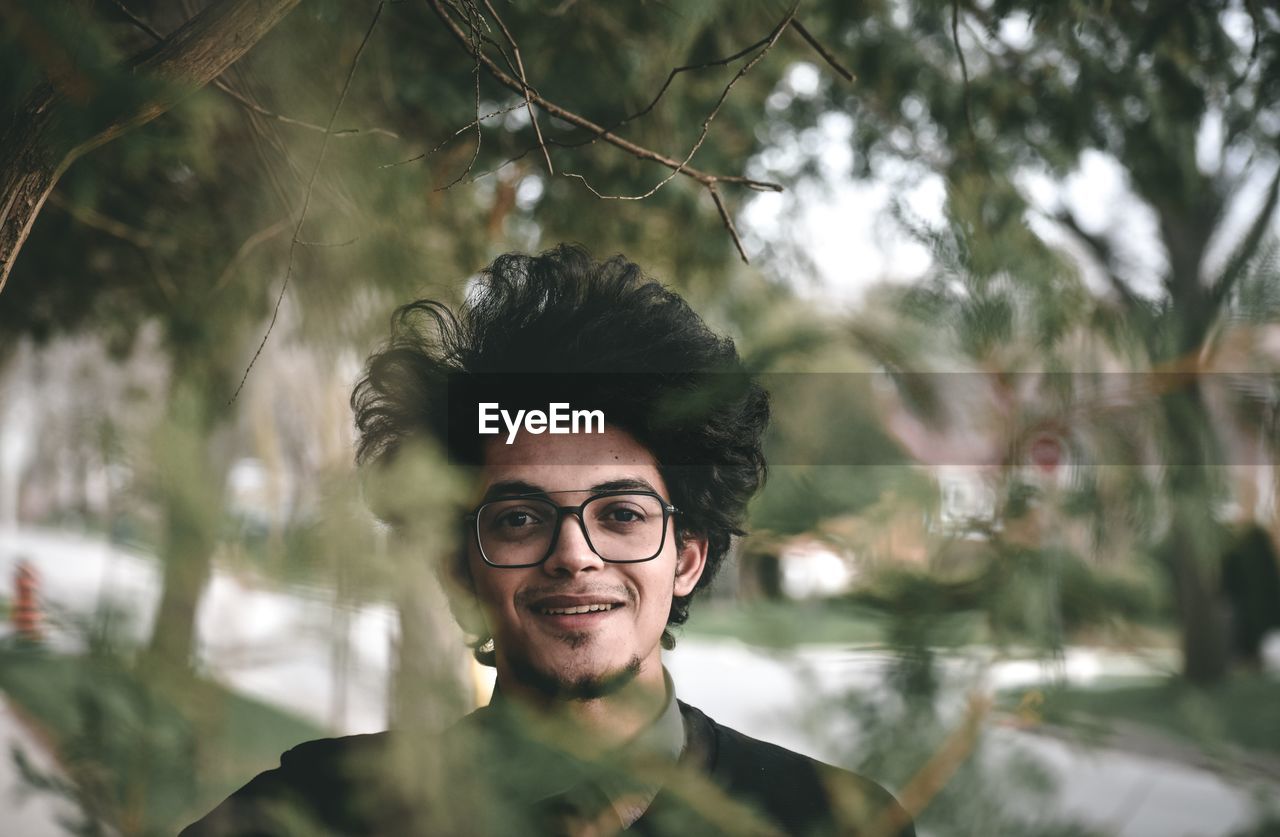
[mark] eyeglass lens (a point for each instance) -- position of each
(620, 527)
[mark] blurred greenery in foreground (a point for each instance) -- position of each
(133, 757)
(1057, 435)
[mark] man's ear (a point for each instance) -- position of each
(460, 591)
(691, 560)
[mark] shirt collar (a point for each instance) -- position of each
(661, 742)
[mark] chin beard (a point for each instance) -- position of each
(587, 687)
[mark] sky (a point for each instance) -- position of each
(847, 226)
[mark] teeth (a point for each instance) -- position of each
(569, 611)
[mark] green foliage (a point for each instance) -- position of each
(1206, 719)
(783, 625)
(136, 762)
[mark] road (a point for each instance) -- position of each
(1120, 793)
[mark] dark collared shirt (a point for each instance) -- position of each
(479, 778)
(659, 744)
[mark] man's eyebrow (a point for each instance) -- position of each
(509, 488)
(624, 484)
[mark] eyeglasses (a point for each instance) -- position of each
(622, 527)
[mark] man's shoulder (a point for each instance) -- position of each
(317, 781)
(330, 750)
(800, 793)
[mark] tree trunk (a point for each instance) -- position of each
(432, 663)
(54, 128)
(192, 477)
(1193, 549)
(429, 688)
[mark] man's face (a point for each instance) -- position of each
(581, 654)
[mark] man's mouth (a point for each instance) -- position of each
(572, 611)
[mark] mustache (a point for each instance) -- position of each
(529, 595)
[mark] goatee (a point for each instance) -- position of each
(587, 687)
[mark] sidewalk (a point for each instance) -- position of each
(1225, 760)
(25, 811)
(1140, 793)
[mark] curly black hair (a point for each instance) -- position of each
(598, 334)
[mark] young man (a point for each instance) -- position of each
(615, 442)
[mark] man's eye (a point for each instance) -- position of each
(517, 518)
(622, 514)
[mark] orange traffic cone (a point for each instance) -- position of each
(26, 603)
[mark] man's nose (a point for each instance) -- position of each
(571, 553)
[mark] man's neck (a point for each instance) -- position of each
(597, 724)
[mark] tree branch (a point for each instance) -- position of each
(306, 198)
(43, 139)
(821, 50)
(1248, 245)
(578, 121)
(524, 82)
(706, 123)
(243, 99)
(472, 20)
(715, 62)
(1102, 252)
(142, 240)
(594, 137)
(707, 179)
(964, 69)
(90, 217)
(472, 124)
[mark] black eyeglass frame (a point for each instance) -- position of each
(563, 511)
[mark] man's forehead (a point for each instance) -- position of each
(613, 460)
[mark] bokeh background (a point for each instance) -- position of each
(1016, 300)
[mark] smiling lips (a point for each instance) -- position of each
(580, 606)
(573, 611)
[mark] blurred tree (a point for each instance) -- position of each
(401, 159)
(89, 96)
(1005, 102)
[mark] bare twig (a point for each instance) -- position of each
(244, 100)
(533, 117)
(702, 136)
(831, 60)
(1102, 252)
(578, 121)
(595, 136)
(473, 33)
(727, 219)
(144, 241)
(346, 243)
(249, 244)
(706, 123)
(90, 217)
(137, 21)
(964, 69)
(455, 135)
(306, 200)
(288, 120)
(471, 14)
(471, 43)
(716, 62)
